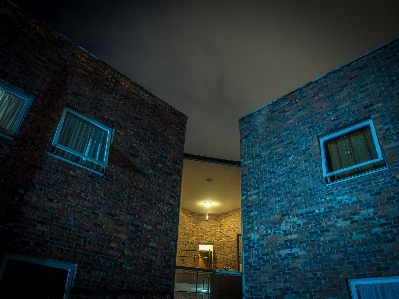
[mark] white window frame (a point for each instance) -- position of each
(67, 149)
(373, 280)
(323, 140)
(27, 98)
(71, 268)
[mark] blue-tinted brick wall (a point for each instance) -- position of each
(303, 238)
(120, 228)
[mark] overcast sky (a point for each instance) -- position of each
(216, 61)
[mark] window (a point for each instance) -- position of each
(28, 277)
(351, 152)
(13, 105)
(82, 141)
(375, 288)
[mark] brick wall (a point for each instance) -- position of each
(220, 230)
(303, 238)
(120, 228)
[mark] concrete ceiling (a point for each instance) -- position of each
(210, 182)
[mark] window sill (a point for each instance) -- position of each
(357, 176)
(6, 136)
(75, 164)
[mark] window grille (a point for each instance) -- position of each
(82, 141)
(351, 152)
(13, 106)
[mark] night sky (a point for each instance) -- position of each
(216, 61)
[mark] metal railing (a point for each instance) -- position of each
(201, 283)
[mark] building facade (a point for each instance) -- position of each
(320, 171)
(90, 172)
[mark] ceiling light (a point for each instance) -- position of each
(207, 203)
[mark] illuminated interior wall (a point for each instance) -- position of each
(221, 230)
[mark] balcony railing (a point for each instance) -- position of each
(201, 283)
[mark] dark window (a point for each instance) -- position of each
(37, 279)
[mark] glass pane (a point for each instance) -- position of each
(10, 107)
(379, 291)
(363, 145)
(350, 149)
(83, 137)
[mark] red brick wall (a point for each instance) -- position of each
(220, 230)
(187, 246)
(303, 238)
(120, 228)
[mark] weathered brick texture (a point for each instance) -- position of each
(220, 230)
(303, 238)
(120, 228)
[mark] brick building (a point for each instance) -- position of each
(320, 171)
(89, 177)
